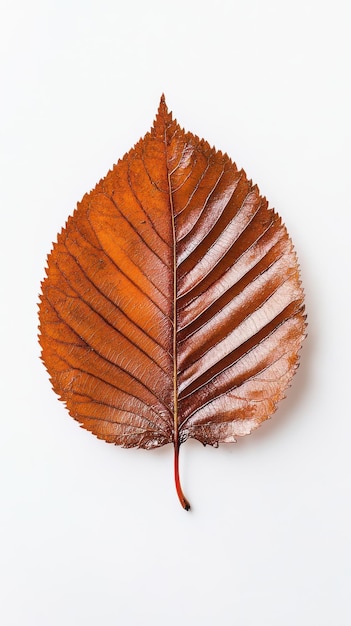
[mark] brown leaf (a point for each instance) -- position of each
(172, 306)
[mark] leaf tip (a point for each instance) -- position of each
(163, 108)
(163, 114)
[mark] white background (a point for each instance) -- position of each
(92, 534)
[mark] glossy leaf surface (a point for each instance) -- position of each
(172, 306)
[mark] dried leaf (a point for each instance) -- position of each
(172, 306)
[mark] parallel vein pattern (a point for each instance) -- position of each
(107, 306)
(240, 315)
(172, 306)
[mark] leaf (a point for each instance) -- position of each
(172, 306)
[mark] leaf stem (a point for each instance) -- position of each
(182, 499)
